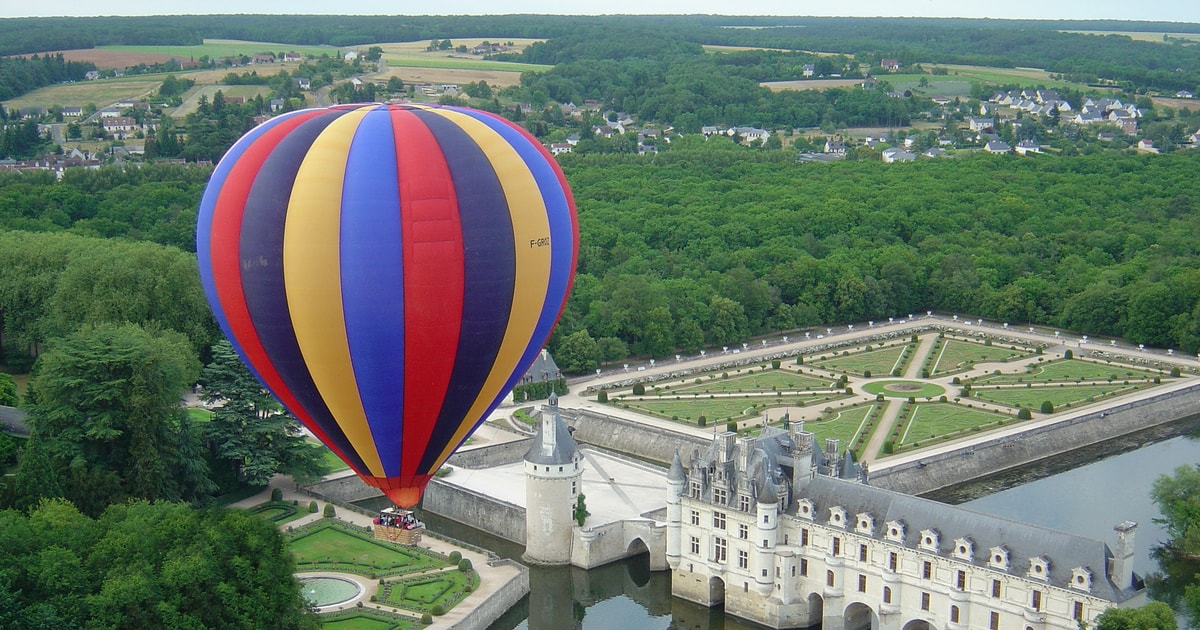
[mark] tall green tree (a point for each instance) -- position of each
(1152, 616)
(249, 430)
(1178, 499)
(8, 390)
(109, 416)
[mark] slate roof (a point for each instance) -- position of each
(1023, 541)
(559, 450)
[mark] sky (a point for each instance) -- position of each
(1157, 10)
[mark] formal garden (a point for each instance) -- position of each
(965, 385)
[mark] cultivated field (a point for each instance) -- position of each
(100, 93)
(1144, 37)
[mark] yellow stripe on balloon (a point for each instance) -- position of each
(530, 223)
(312, 278)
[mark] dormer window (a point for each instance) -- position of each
(866, 524)
(805, 508)
(1039, 568)
(930, 540)
(895, 531)
(964, 549)
(837, 516)
(998, 558)
(1081, 579)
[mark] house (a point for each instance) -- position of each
(605, 130)
(897, 155)
(1105, 136)
(1183, 94)
(982, 124)
(559, 148)
(935, 152)
(945, 141)
(891, 65)
(72, 112)
(709, 130)
(120, 126)
(304, 83)
(263, 57)
(809, 70)
(276, 104)
(350, 55)
(748, 134)
(941, 100)
(1146, 146)
(835, 146)
(1028, 146)
(292, 56)
(997, 146)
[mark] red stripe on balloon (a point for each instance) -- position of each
(433, 284)
(226, 268)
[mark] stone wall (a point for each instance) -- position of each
(488, 611)
(476, 510)
(345, 489)
(491, 456)
(972, 461)
(632, 438)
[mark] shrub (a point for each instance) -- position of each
(276, 494)
(1175, 372)
(438, 610)
(866, 373)
(896, 372)
(955, 380)
(1068, 354)
(602, 396)
(799, 360)
(426, 619)
(731, 426)
(988, 341)
(455, 556)
(889, 447)
(924, 372)
(942, 399)
(702, 420)
(775, 364)
(878, 397)
(1047, 407)
(464, 565)
(312, 507)
(639, 389)
(330, 511)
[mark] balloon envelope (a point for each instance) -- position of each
(388, 272)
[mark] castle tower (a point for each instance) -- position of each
(675, 484)
(766, 531)
(553, 471)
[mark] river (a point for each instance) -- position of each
(1092, 495)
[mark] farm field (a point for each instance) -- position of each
(99, 93)
(192, 103)
(956, 83)
(1144, 36)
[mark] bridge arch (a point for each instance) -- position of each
(716, 591)
(860, 616)
(918, 624)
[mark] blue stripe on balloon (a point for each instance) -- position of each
(205, 215)
(562, 237)
(372, 257)
(261, 253)
(489, 274)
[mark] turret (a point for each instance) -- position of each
(766, 530)
(553, 471)
(676, 481)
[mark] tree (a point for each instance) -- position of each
(578, 353)
(8, 390)
(148, 565)
(249, 430)
(580, 511)
(1178, 499)
(108, 415)
(1152, 616)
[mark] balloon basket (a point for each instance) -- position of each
(398, 526)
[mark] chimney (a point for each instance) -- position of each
(1122, 562)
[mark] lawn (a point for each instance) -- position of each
(956, 355)
(367, 619)
(278, 512)
(1059, 396)
(879, 361)
(904, 389)
(332, 545)
(423, 593)
(756, 381)
(332, 462)
(1070, 370)
(928, 421)
(718, 409)
(198, 414)
(847, 425)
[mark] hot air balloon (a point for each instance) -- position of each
(388, 272)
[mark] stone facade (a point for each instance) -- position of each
(553, 471)
(754, 526)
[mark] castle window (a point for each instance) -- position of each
(837, 546)
(837, 516)
(995, 588)
(998, 558)
(961, 580)
(930, 540)
(719, 520)
(785, 539)
(719, 495)
(924, 601)
(1081, 579)
(895, 531)
(806, 508)
(766, 519)
(1036, 600)
(927, 570)
(954, 614)
(866, 524)
(893, 561)
(862, 583)
(793, 570)
(964, 549)
(719, 549)
(994, 621)
(862, 552)
(560, 469)
(743, 531)
(695, 545)
(1077, 614)
(829, 578)
(1039, 568)
(804, 537)
(695, 517)
(743, 559)
(887, 595)
(744, 503)
(574, 488)
(804, 567)
(695, 490)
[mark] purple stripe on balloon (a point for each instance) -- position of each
(372, 257)
(261, 248)
(489, 275)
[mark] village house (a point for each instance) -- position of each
(292, 56)
(891, 65)
(894, 154)
(809, 70)
(997, 146)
